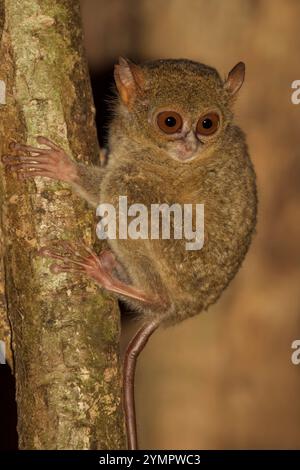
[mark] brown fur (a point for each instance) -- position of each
(140, 168)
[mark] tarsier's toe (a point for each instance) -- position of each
(56, 269)
(44, 251)
(41, 139)
(9, 158)
(45, 141)
(12, 145)
(51, 253)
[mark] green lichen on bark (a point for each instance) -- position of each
(67, 367)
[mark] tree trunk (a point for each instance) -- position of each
(5, 332)
(65, 331)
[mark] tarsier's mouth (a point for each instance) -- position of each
(186, 152)
(186, 149)
(187, 156)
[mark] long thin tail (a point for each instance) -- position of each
(133, 350)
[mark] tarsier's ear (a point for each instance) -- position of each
(235, 78)
(129, 79)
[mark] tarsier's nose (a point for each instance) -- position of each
(186, 153)
(188, 146)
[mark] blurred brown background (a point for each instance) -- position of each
(225, 379)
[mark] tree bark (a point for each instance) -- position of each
(65, 331)
(5, 331)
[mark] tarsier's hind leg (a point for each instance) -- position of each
(81, 259)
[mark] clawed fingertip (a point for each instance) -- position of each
(44, 251)
(55, 269)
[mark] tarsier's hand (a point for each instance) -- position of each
(52, 162)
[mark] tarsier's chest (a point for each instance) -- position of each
(186, 215)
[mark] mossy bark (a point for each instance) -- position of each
(65, 330)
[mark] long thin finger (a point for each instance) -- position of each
(67, 245)
(14, 160)
(28, 148)
(43, 140)
(90, 252)
(60, 268)
(82, 249)
(47, 252)
(25, 166)
(32, 174)
(53, 254)
(70, 249)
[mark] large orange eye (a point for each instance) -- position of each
(169, 122)
(208, 124)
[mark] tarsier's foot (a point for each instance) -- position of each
(74, 258)
(52, 162)
(81, 259)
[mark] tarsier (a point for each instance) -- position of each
(172, 140)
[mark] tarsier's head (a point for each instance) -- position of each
(182, 107)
